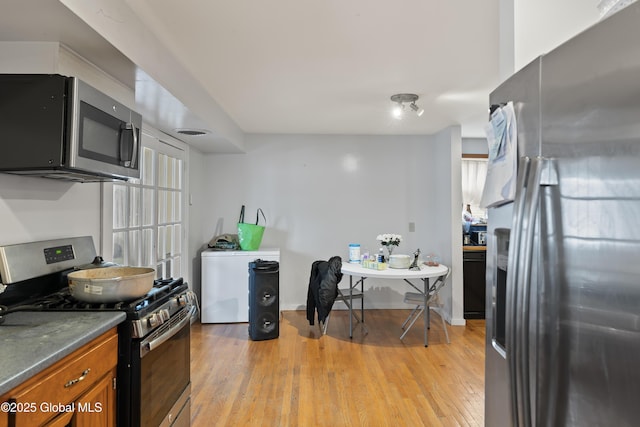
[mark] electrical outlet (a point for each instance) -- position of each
(412, 227)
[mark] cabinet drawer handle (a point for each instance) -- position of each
(77, 380)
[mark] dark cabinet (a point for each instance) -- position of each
(474, 270)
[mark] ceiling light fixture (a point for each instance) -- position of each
(400, 99)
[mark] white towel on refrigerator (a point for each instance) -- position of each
(502, 131)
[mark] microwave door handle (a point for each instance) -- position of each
(131, 161)
(134, 154)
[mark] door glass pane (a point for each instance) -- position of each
(119, 244)
(168, 250)
(162, 170)
(169, 206)
(148, 206)
(146, 257)
(177, 205)
(160, 271)
(175, 266)
(148, 166)
(133, 254)
(170, 172)
(177, 238)
(162, 203)
(161, 240)
(168, 268)
(120, 208)
(134, 206)
(179, 175)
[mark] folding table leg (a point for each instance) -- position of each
(350, 307)
(426, 310)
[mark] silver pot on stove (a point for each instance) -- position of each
(110, 284)
(102, 281)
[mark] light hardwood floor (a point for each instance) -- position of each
(303, 378)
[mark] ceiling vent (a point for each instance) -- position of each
(192, 132)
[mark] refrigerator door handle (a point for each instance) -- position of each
(541, 172)
(532, 202)
(512, 328)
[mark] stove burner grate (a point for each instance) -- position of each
(63, 301)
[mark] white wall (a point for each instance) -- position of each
(322, 192)
(542, 25)
(506, 42)
(475, 146)
(445, 200)
(198, 188)
(34, 209)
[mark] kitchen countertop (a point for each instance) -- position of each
(474, 248)
(33, 341)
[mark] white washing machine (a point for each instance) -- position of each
(225, 284)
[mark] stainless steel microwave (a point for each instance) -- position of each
(56, 126)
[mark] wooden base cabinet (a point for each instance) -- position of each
(474, 266)
(79, 390)
(97, 406)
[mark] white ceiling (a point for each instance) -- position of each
(297, 66)
(308, 66)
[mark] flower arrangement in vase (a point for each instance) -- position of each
(389, 241)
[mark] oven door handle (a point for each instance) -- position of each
(165, 332)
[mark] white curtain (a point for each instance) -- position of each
(474, 172)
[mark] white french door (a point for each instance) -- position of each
(148, 227)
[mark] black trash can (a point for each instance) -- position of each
(264, 300)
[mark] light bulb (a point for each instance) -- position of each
(398, 110)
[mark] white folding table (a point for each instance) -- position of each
(424, 274)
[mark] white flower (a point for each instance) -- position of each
(389, 239)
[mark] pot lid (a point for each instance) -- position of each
(98, 262)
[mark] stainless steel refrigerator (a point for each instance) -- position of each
(563, 260)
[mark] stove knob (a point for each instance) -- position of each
(164, 315)
(160, 318)
(154, 320)
(182, 300)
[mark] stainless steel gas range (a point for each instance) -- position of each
(153, 384)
